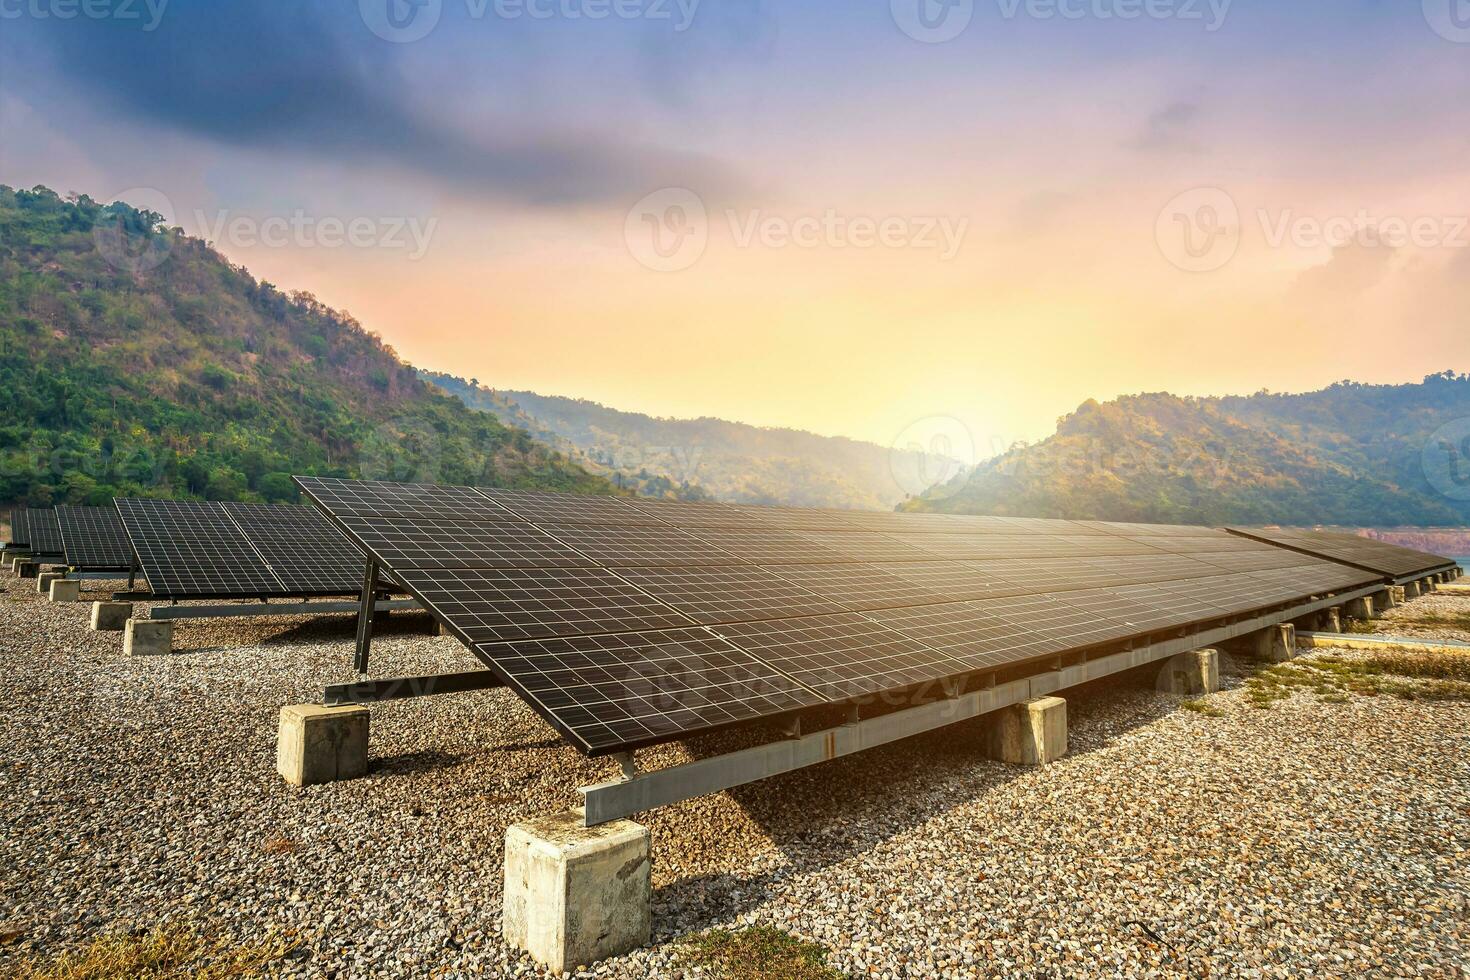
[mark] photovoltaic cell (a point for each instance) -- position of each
(767, 546)
(367, 498)
(1387, 559)
(487, 605)
(866, 546)
(302, 548)
(606, 693)
(562, 508)
(843, 656)
(93, 539)
(43, 532)
(20, 527)
(729, 594)
(192, 549)
(432, 542)
(618, 546)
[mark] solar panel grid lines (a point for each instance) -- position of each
(436, 542)
(689, 515)
(631, 546)
(301, 547)
(363, 498)
(612, 693)
(43, 532)
(767, 546)
(843, 656)
(193, 549)
(795, 518)
(867, 546)
(1368, 553)
(543, 507)
(20, 528)
(730, 594)
(856, 586)
(93, 538)
(488, 605)
(955, 581)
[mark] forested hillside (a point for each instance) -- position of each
(695, 457)
(1350, 454)
(135, 360)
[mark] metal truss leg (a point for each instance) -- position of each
(365, 615)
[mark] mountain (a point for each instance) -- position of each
(1351, 454)
(136, 360)
(706, 457)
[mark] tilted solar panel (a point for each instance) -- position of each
(93, 539)
(614, 692)
(586, 606)
(191, 549)
(20, 528)
(302, 548)
(1387, 559)
(43, 532)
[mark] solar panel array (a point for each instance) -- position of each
(36, 529)
(629, 622)
(1351, 549)
(93, 539)
(208, 550)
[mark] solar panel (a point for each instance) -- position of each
(740, 593)
(560, 508)
(617, 546)
(192, 549)
(610, 693)
(627, 621)
(369, 498)
(1387, 559)
(44, 533)
(433, 542)
(486, 605)
(303, 549)
(93, 539)
(843, 656)
(20, 528)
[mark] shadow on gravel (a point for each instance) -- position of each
(827, 814)
(413, 762)
(344, 627)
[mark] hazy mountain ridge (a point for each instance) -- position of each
(725, 460)
(137, 360)
(1349, 454)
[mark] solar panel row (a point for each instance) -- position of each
(1352, 549)
(93, 539)
(42, 532)
(627, 622)
(208, 550)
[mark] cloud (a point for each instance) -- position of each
(1353, 269)
(303, 78)
(1169, 128)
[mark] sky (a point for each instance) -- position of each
(950, 219)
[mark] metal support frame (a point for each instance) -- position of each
(366, 612)
(661, 787)
(399, 688)
(255, 610)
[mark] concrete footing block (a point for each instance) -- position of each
(66, 590)
(7, 559)
(317, 744)
(146, 638)
(573, 894)
(1411, 590)
(44, 580)
(1383, 601)
(1193, 673)
(111, 617)
(1276, 644)
(1031, 733)
(1330, 620)
(27, 569)
(1361, 608)
(1397, 594)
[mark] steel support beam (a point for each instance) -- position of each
(661, 787)
(399, 688)
(366, 612)
(255, 610)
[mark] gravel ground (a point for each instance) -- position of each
(1403, 620)
(1306, 838)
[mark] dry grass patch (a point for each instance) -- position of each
(1412, 676)
(758, 953)
(1201, 708)
(170, 952)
